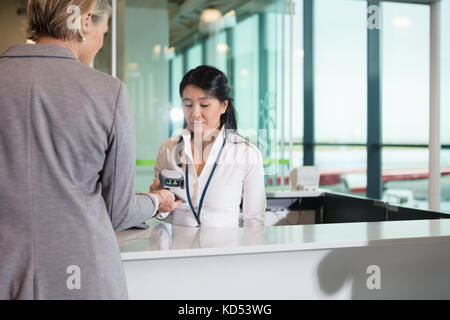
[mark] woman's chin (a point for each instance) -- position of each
(198, 127)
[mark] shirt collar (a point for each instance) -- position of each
(38, 50)
(186, 134)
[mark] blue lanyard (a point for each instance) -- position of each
(197, 215)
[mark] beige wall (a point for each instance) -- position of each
(12, 26)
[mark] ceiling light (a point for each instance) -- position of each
(210, 21)
(222, 48)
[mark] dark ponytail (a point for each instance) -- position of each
(214, 82)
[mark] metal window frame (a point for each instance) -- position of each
(308, 83)
(263, 83)
(374, 109)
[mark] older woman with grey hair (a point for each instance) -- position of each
(67, 160)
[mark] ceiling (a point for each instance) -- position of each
(184, 15)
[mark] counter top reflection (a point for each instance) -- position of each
(164, 240)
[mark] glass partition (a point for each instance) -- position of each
(340, 71)
(405, 50)
(144, 66)
(340, 48)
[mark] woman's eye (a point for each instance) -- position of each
(187, 105)
(204, 105)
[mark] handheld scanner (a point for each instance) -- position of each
(171, 179)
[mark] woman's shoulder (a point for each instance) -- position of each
(102, 79)
(171, 143)
(242, 143)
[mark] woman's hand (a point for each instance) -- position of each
(166, 198)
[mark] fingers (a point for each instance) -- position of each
(167, 195)
(168, 202)
(172, 206)
(176, 204)
(156, 185)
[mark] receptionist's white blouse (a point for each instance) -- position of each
(239, 176)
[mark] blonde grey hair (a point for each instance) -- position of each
(50, 17)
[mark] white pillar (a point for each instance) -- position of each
(434, 191)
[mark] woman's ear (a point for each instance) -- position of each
(224, 106)
(86, 24)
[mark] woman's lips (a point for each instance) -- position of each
(198, 123)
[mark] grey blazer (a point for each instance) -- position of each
(67, 168)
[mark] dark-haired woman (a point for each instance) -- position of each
(220, 168)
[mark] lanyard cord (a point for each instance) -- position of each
(197, 215)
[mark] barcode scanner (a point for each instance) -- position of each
(170, 179)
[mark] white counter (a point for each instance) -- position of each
(325, 261)
(163, 240)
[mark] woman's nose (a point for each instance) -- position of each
(196, 112)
